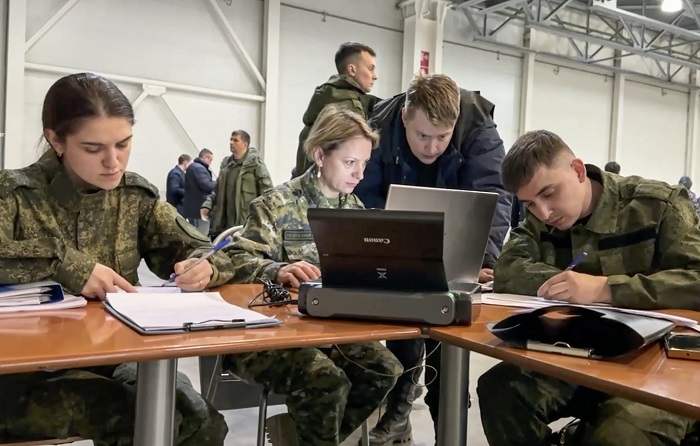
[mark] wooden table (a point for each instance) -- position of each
(648, 376)
(90, 336)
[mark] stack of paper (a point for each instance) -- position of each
(531, 302)
(39, 296)
(157, 313)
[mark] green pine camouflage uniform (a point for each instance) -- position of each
(326, 394)
(644, 236)
(341, 90)
(50, 230)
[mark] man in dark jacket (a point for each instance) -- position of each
(199, 183)
(175, 184)
(349, 88)
(434, 135)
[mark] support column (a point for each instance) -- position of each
(692, 129)
(618, 99)
(271, 70)
(14, 85)
(423, 38)
(527, 85)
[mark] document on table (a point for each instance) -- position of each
(158, 313)
(530, 302)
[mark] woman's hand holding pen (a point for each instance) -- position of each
(576, 288)
(196, 278)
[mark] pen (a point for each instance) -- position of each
(577, 260)
(219, 246)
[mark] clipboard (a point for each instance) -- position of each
(222, 316)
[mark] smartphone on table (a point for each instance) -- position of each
(683, 345)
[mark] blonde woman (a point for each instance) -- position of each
(329, 391)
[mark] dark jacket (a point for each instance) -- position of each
(198, 185)
(175, 189)
(341, 90)
(472, 161)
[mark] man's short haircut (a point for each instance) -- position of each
(613, 167)
(529, 152)
(243, 134)
(347, 51)
(184, 158)
(205, 152)
(437, 95)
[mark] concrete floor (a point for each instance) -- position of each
(242, 423)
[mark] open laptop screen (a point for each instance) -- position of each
(395, 250)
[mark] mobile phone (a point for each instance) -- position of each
(682, 345)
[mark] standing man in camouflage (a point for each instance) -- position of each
(686, 182)
(348, 89)
(643, 245)
(241, 180)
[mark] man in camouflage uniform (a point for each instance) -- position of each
(330, 391)
(686, 182)
(349, 88)
(51, 230)
(643, 246)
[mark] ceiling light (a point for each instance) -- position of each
(671, 5)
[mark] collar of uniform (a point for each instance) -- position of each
(604, 217)
(309, 186)
(62, 188)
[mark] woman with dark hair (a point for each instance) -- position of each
(79, 218)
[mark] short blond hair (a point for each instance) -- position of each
(335, 125)
(437, 96)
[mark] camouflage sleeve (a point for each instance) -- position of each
(46, 258)
(166, 238)
(518, 269)
(677, 284)
(210, 201)
(256, 250)
(263, 179)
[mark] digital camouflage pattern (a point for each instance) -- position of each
(277, 231)
(99, 404)
(644, 236)
(517, 406)
(327, 395)
(50, 230)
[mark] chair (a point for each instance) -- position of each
(217, 377)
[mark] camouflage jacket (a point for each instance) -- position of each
(229, 202)
(50, 230)
(341, 90)
(277, 230)
(643, 235)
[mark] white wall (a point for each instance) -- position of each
(654, 132)
(496, 76)
(576, 106)
(180, 41)
(307, 50)
(3, 43)
(176, 41)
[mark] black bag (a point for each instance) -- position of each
(577, 331)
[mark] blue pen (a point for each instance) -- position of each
(219, 246)
(577, 260)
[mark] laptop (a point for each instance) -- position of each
(379, 249)
(468, 217)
